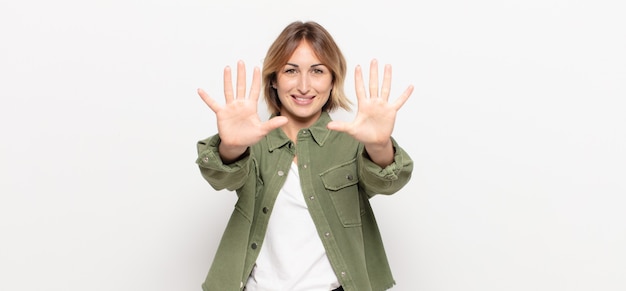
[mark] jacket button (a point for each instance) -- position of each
(281, 173)
(205, 159)
(253, 246)
(265, 210)
(349, 177)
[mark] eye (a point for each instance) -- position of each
(318, 71)
(290, 71)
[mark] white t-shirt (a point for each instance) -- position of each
(292, 257)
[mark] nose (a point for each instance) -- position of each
(304, 83)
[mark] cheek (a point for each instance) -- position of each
(285, 84)
(323, 85)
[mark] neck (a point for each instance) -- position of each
(294, 125)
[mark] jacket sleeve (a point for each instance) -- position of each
(219, 175)
(388, 180)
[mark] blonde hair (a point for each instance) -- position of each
(325, 49)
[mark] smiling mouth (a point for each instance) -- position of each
(303, 100)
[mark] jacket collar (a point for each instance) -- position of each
(277, 138)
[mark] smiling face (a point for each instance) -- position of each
(303, 85)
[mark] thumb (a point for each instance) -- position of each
(338, 126)
(274, 123)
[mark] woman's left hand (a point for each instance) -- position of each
(376, 116)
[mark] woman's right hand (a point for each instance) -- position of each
(238, 122)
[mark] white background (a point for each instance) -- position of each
(516, 126)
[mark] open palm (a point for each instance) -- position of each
(375, 118)
(238, 121)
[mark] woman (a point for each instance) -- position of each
(303, 220)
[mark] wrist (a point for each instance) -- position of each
(381, 154)
(230, 154)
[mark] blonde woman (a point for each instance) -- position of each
(303, 220)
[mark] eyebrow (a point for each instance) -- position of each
(312, 66)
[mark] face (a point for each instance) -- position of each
(303, 85)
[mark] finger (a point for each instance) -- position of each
(274, 123)
(358, 83)
(209, 101)
(338, 126)
(384, 93)
(403, 98)
(228, 85)
(241, 80)
(255, 90)
(374, 79)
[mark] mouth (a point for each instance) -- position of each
(303, 100)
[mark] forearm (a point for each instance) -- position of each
(385, 180)
(217, 172)
(381, 154)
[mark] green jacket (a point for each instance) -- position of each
(337, 179)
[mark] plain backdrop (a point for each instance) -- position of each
(517, 127)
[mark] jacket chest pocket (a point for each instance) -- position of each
(341, 183)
